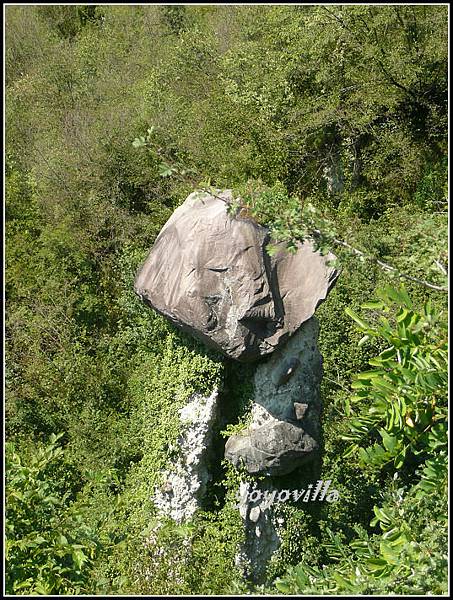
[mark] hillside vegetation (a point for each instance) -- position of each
(330, 122)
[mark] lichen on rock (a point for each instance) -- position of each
(186, 478)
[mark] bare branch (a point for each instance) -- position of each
(387, 267)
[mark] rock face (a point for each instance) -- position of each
(208, 272)
(185, 482)
(285, 416)
(262, 529)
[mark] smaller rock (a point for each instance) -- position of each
(272, 449)
(300, 410)
(254, 514)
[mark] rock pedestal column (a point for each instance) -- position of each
(285, 418)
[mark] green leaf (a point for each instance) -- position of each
(165, 170)
(282, 586)
(381, 516)
(362, 324)
(79, 558)
(378, 566)
(390, 442)
(376, 563)
(373, 305)
(368, 374)
(402, 314)
(358, 384)
(363, 340)
(400, 296)
(388, 354)
(347, 407)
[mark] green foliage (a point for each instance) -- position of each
(49, 547)
(292, 221)
(409, 557)
(405, 393)
(330, 123)
(160, 385)
(432, 191)
(401, 402)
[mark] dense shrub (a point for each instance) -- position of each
(49, 547)
(398, 428)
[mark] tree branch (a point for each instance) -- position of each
(386, 266)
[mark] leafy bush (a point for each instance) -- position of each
(49, 548)
(409, 557)
(406, 391)
(397, 420)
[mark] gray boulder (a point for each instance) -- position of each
(208, 272)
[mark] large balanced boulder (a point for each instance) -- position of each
(209, 273)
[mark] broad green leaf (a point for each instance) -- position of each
(390, 442)
(282, 586)
(373, 305)
(362, 324)
(165, 170)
